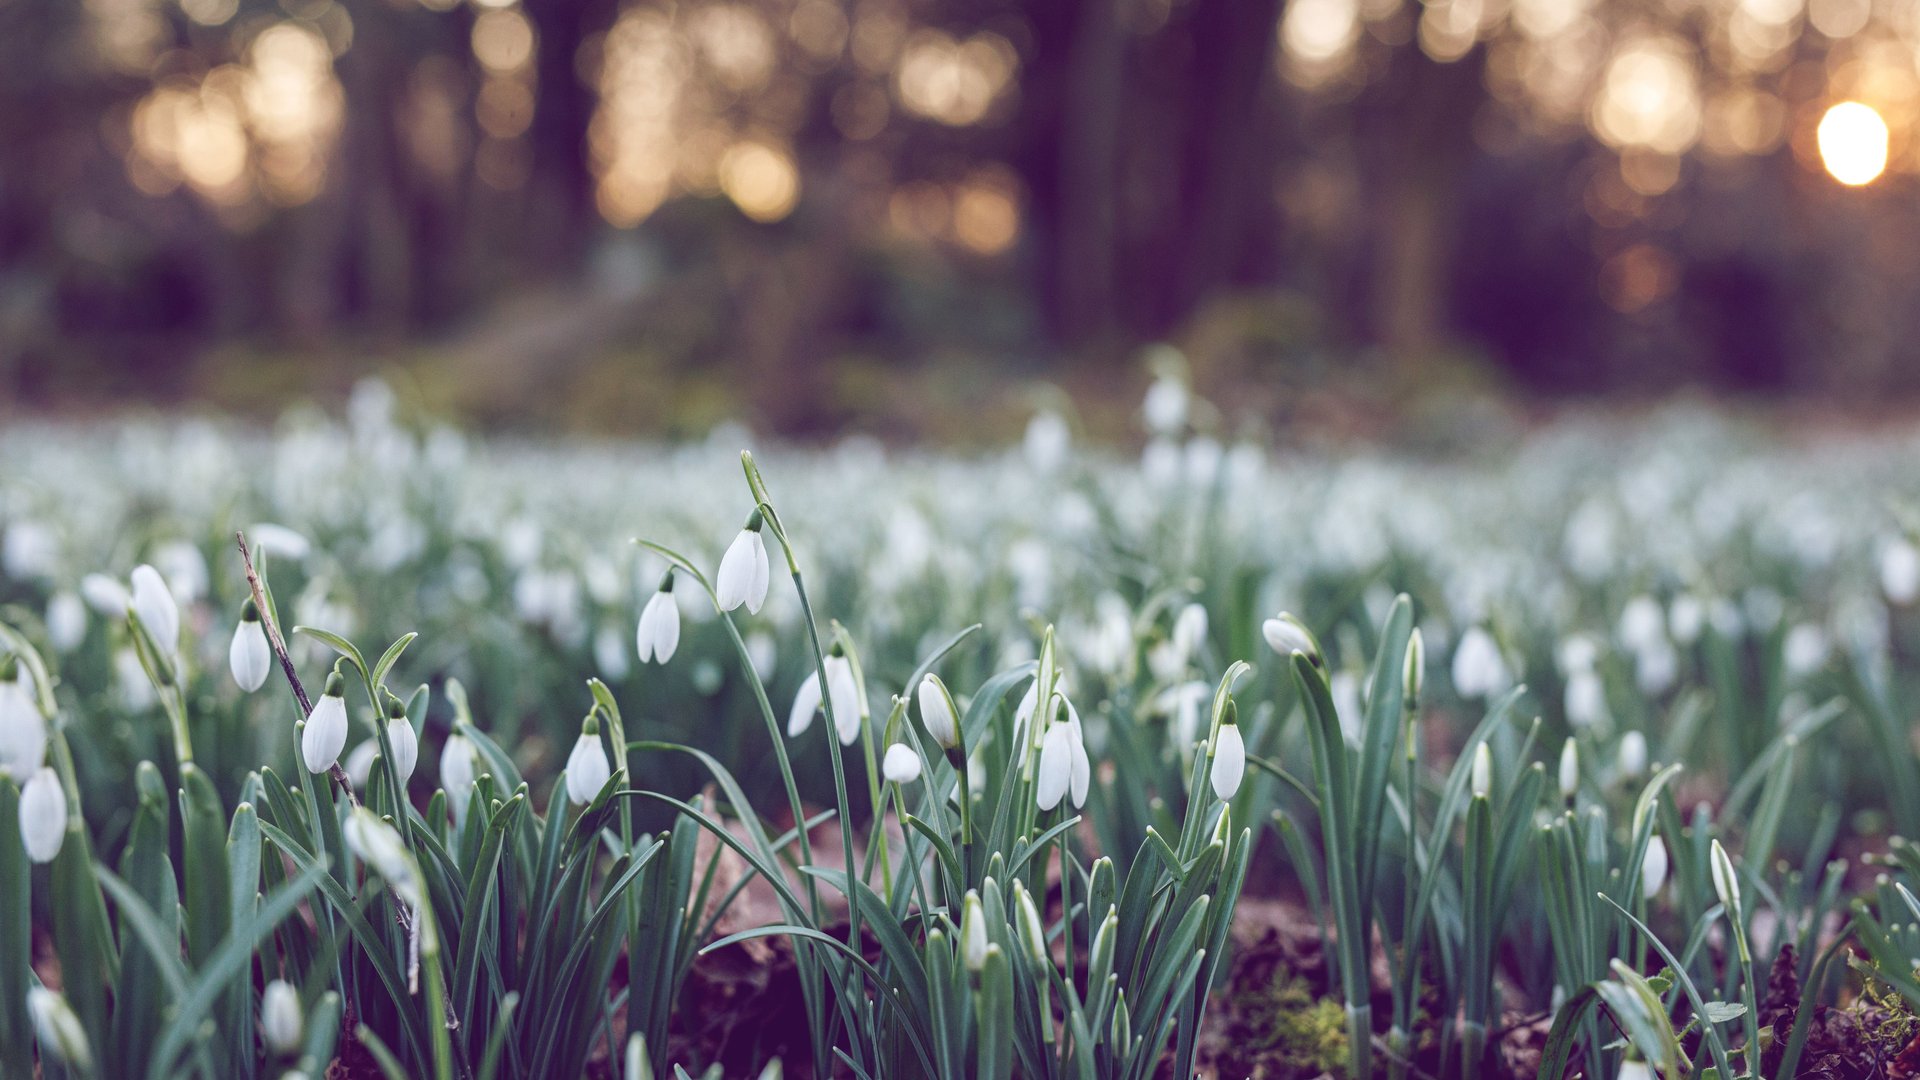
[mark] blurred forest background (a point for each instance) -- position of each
(643, 215)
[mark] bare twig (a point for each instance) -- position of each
(279, 645)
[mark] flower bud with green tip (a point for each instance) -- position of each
(1569, 769)
(1287, 635)
(973, 933)
(62, 1037)
(1414, 675)
(938, 712)
(1031, 928)
(280, 1018)
(153, 605)
(43, 816)
(900, 765)
(1482, 774)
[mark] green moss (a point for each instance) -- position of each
(1294, 1029)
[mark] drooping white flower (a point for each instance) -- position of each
(249, 657)
(379, 845)
(154, 606)
(43, 816)
(1686, 617)
(1413, 675)
(1569, 769)
(901, 765)
(937, 712)
(1482, 774)
(326, 732)
(1653, 869)
(406, 747)
(280, 1018)
(1182, 704)
(58, 1028)
(1586, 698)
(1190, 630)
(1900, 572)
(1633, 753)
(279, 540)
(359, 763)
(66, 621)
(1478, 668)
(184, 568)
(843, 696)
(1056, 766)
(659, 633)
(1080, 771)
(1165, 406)
(1805, 650)
(1287, 635)
(1642, 623)
(23, 732)
(1031, 928)
(106, 596)
(742, 578)
(1229, 762)
(587, 767)
(1047, 441)
(456, 769)
(806, 704)
(1656, 667)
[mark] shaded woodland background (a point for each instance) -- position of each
(643, 215)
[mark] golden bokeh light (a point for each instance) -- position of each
(1853, 143)
(1317, 39)
(760, 179)
(502, 40)
(954, 82)
(1649, 97)
(986, 212)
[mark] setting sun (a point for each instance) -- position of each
(1853, 143)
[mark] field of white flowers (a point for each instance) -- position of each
(1584, 753)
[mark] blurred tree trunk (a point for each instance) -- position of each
(1089, 140)
(562, 217)
(1414, 129)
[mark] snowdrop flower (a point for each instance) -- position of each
(30, 550)
(325, 734)
(62, 1037)
(1031, 929)
(66, 621)
(1056, 767)
(456, 769)
(43, 816)
(844, 699)
(1482, 774)
(1165, 406)
(1287, 635)
(184, 569)
(1478, 668)
(106, 596)
(742, 578)
(1047, 441)
(1190, 630)
(1686, 618)
(23, 731)
(248, 656)
(1900, 572)
(1653, 869)
(279, 540)
(587, 767)
(1805, 650)
(1414, 676)
(379, 845)
(1585, 699)
(154, 606)
(280, 1018)
(1633, 753)
(404, 743)
(1183, 704)
(1642, 623)
(1726, 883)
(1229, 761)
(937, 712)
(1656, 668)
(901, 765)
(659, 633)
(973, 933)
(359, 763)
(1569, 770)
(1080, 767)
